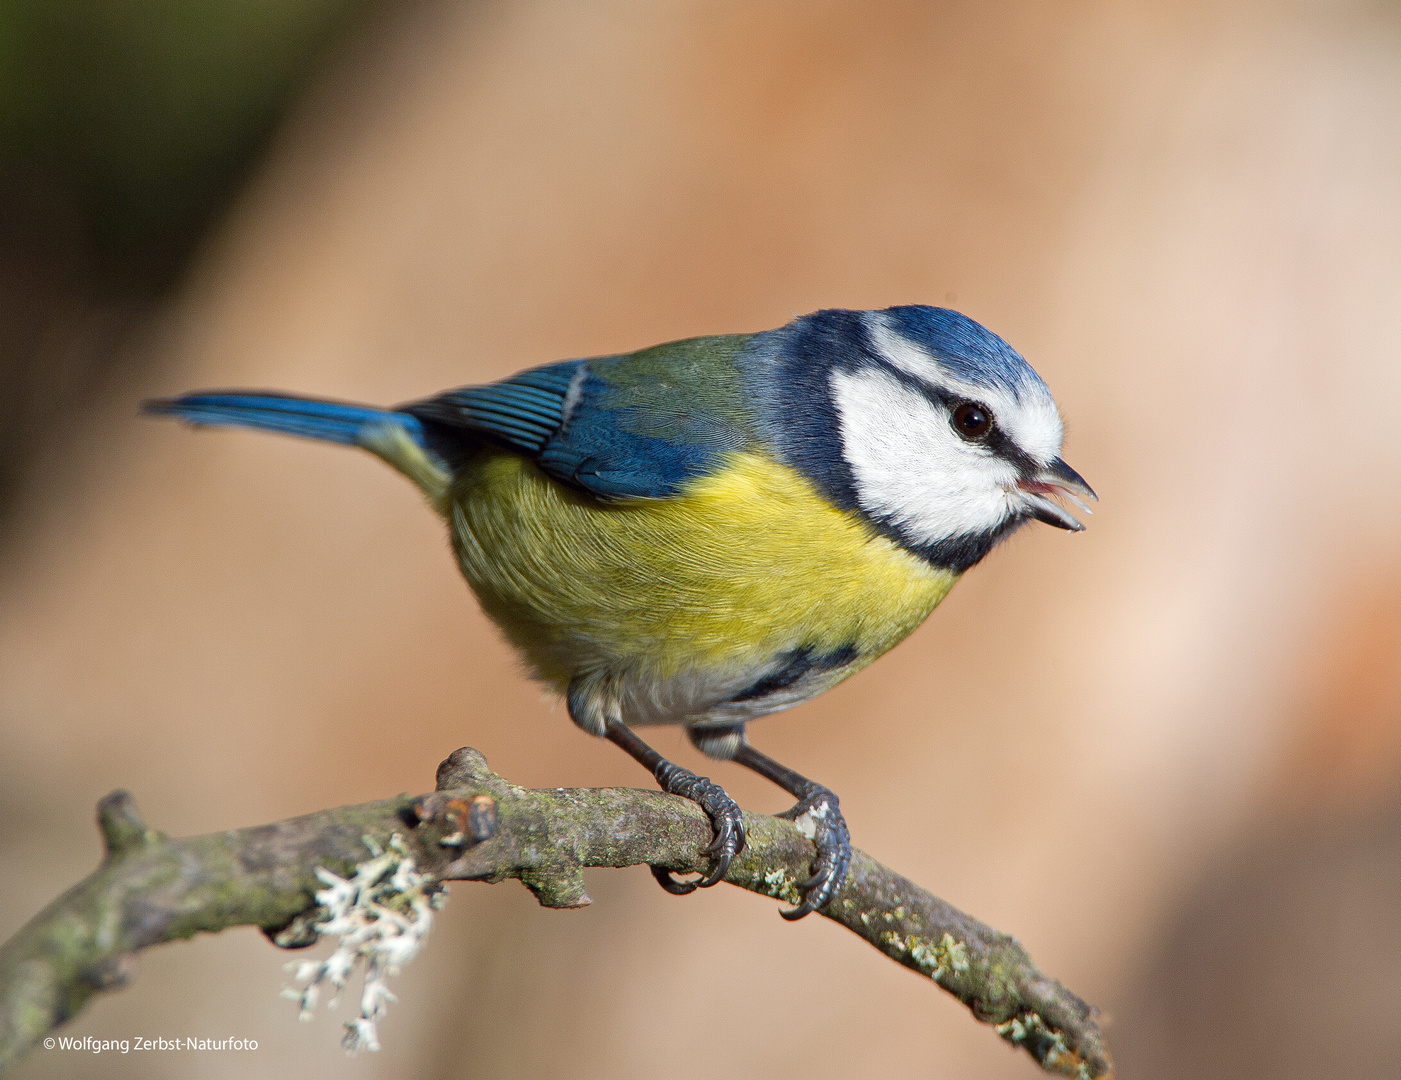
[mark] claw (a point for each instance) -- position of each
(677, 887)
(819, 812)
(719, 868)
(724, 815)
(672, 884)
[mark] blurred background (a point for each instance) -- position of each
(1166, 753)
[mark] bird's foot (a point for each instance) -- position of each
(724, 814)
(818, 815)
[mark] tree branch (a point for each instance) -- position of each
(476, 826)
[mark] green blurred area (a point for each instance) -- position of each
(125, 128)
(140, 115)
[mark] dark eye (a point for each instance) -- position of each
(972, 421)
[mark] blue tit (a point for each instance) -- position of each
(707, 531)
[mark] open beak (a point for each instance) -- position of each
(1061, 480)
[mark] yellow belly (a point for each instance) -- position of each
(746, 564)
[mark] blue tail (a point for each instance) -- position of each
(307, 417)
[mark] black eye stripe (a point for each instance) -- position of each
(935, 396)
(996, 440)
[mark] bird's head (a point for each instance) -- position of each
(948, 439)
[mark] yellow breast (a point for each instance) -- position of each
(745, 564)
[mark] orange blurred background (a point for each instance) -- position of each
(1164, 753)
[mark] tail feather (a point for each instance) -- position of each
(331, 421)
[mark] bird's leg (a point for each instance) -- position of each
(724, 812)
(817, 809)
(817, 813)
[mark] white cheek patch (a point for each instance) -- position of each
(1031, 421)
(909, 466)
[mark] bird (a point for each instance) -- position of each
(710, 530)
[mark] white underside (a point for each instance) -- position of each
(696, 699)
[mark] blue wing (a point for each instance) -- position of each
(633, 426)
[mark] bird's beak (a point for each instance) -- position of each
(1056, 478)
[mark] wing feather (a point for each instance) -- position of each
(632, 426)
